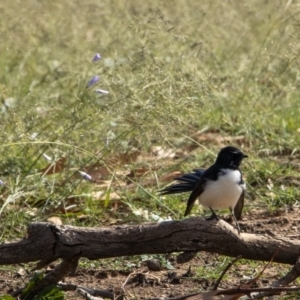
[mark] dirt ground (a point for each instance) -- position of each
(145, 284)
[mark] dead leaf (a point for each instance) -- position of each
(112, 200)
(97, 171)
(162, 152)
(103, 184)
(101, 195)
(69, 209)
(31, 211)
(55, 167)
(217, 137)
(123, 158)
(170, 176)
(70, 205)
(55, 220)
(83, 217)
(21, 272)
(136, 173)
(72, 200)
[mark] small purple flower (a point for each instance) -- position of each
(93, 81)
(86, 176)
(100, 91)
(96, 57)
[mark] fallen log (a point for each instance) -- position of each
(47, 242)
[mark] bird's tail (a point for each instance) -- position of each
(187, 183)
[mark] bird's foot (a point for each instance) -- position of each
(212, 217)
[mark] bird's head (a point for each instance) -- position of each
(230, 157)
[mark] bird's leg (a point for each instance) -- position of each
(213, 216)
(236, 222)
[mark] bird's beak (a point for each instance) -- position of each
(244, 156)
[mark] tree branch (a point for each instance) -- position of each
(48, 242)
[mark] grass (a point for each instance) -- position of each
(223, 70)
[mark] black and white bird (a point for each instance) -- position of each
(221, 186)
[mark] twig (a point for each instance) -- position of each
(292, 275)
(255, 279)
(87, 295)
(138, 273)
(93, 292)
(127, 278)
(224, 272)
(233, 292)
(55, 276)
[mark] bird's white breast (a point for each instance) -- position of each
(224, 192)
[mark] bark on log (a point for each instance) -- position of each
(48, 242)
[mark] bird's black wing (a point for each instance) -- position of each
(187, 183)
(239, 206)
(211, 173)
(197, 191)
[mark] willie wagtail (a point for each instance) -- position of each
(220, 186)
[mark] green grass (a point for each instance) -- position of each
(222, 68)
